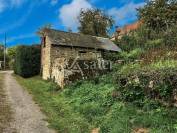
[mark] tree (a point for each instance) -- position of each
(95, 22)
(11, 52)
(159, 15)
(46, 26)
(1, 52)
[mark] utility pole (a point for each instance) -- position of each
(5, 41)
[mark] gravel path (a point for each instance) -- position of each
(27, 115)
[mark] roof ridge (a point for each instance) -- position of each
(76, 33)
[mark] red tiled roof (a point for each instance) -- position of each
(128, 28)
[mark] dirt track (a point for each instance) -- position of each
(27, 115)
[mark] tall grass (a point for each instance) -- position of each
(86, 105)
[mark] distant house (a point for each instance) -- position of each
(66, 56)
(126, 30)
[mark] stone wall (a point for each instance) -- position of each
(62, 59)
(45, 58)
(58, 71)
(69, 52)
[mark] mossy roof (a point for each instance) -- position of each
(79, 40)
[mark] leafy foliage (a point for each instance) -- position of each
(95, 22)
(2, 55)
(85, 105)
(159, 14)
(1, 52)
(108, 102)
(11, 52)
(157, 81)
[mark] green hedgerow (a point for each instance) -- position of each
(27, 61)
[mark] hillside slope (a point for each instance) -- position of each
(101, 103)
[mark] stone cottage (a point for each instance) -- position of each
(66, 57)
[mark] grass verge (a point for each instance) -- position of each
(86, 105)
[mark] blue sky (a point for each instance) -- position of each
(20, 19)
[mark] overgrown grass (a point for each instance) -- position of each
(86, 105)
(164, 64)
(97, 103)
(60, 115)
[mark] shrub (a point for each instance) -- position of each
(111, 56)
(170, 37)
(132, 55)
(154, 43)
(146, 83)
(27, 61)
(128, 42)
(148, 38)
(127, 56)
(129, 68)
(164, 64)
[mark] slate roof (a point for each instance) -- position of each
(79, 40)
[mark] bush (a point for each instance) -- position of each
(170, 37)
(164, 64)
(27, 61)
(83, 106)
(147, 83)
(148, 39)
(132, 55)
(128, 42)
(111, 56)
(154, 43)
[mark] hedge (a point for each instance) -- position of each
(27, 61)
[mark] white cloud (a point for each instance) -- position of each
(12, 39)
(53, 2)
(6, 4)
(2, 5)
(126, 13)
(68, 13)
(17, 3)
